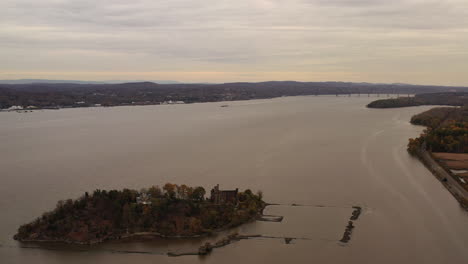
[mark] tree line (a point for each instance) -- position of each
(447, 130)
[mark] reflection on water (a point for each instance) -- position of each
(329, 151)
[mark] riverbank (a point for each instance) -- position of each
(445, 177)
(131, 237)
(442, 145)
(147, 93)
(138, 236)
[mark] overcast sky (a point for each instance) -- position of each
(411, 41)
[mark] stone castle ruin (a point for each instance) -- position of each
(223, 196)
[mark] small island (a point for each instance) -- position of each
(170, 211)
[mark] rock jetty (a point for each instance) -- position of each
(349, 228)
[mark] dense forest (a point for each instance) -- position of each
(173, 210)
(58, 95)
(446, 98)
(447, 130)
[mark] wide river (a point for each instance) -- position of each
(328, 151)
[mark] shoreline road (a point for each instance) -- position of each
(451, 184)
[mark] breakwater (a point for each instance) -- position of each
(349, 228)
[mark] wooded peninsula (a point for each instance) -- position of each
(170, 211)
(447, 130)
(445, 98)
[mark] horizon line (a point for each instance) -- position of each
(168, 81)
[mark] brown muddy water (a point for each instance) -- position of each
(329, 151)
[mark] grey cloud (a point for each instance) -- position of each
(231, 35)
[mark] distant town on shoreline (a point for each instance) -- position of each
(53, 94)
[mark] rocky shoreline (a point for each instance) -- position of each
(120, 237)
(130, 236)
(148, 234)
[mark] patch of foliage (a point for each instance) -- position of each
(447, 130)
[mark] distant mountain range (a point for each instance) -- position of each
(32, 81)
